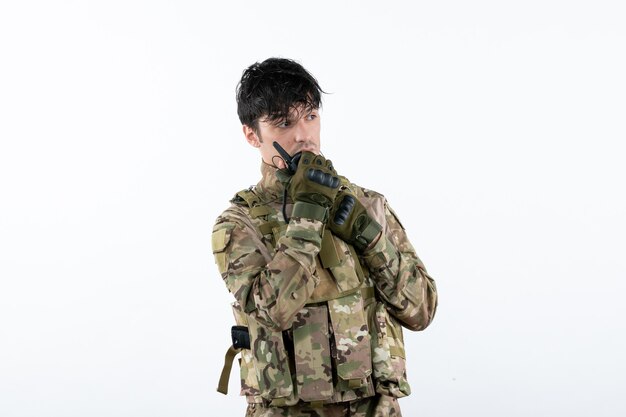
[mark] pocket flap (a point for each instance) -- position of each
(312, 354)
(220, 239)
(352, 338)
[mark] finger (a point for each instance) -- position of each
(307, 158)
(319, 161)
(330, 166)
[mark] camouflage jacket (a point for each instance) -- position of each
(328, 325)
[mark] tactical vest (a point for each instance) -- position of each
(343, 344)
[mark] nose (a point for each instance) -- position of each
(302, 132)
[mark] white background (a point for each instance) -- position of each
(494, 128)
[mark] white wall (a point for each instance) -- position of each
(495, 129)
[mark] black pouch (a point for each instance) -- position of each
(240, 336)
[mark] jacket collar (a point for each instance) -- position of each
(269, 186)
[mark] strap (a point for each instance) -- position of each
(222, 386)
(267, 228)
(355, 383)
(328, 253)
(249, 197)
(367, 293)
(357, 264)
(369, 234)
(396, 351)
(259, 211)
(277, 232)
(309, 211)
(280, 402)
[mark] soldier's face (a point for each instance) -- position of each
(299, 132)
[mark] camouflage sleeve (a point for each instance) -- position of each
(400, 276)
(270, 287)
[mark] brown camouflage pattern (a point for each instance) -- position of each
(298, 311)
(271, 362)
(312, 354)
(249, 381)
(388, 355)
(378, 406)
(400, 276)
(352, 338)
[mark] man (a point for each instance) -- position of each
(321, 269)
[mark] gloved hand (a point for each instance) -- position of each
(350, 222)
(315, 183)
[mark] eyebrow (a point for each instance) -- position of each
(290, 117)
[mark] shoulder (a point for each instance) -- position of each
(238, 213)
(365, 195)
(373, 201)
(361, 192)
(236, 231)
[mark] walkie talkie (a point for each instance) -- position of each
(290, 161)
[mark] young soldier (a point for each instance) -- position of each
(321, 269)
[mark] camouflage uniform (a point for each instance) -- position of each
(377, 406)
(324, 321)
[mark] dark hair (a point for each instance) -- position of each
(272, 88)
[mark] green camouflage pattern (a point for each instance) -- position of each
(312, 354)
(248, 377)
(388, 356)
(276, 275)
(271, 362)
(272, 285)
(377, 406)
(346, 274)
(400, 277)
(352, 339)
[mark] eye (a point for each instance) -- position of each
(311, 116)
(283, 124)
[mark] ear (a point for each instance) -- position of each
(251, 136)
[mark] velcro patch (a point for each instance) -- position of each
(220, 239)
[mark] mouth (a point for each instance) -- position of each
(308, 149)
